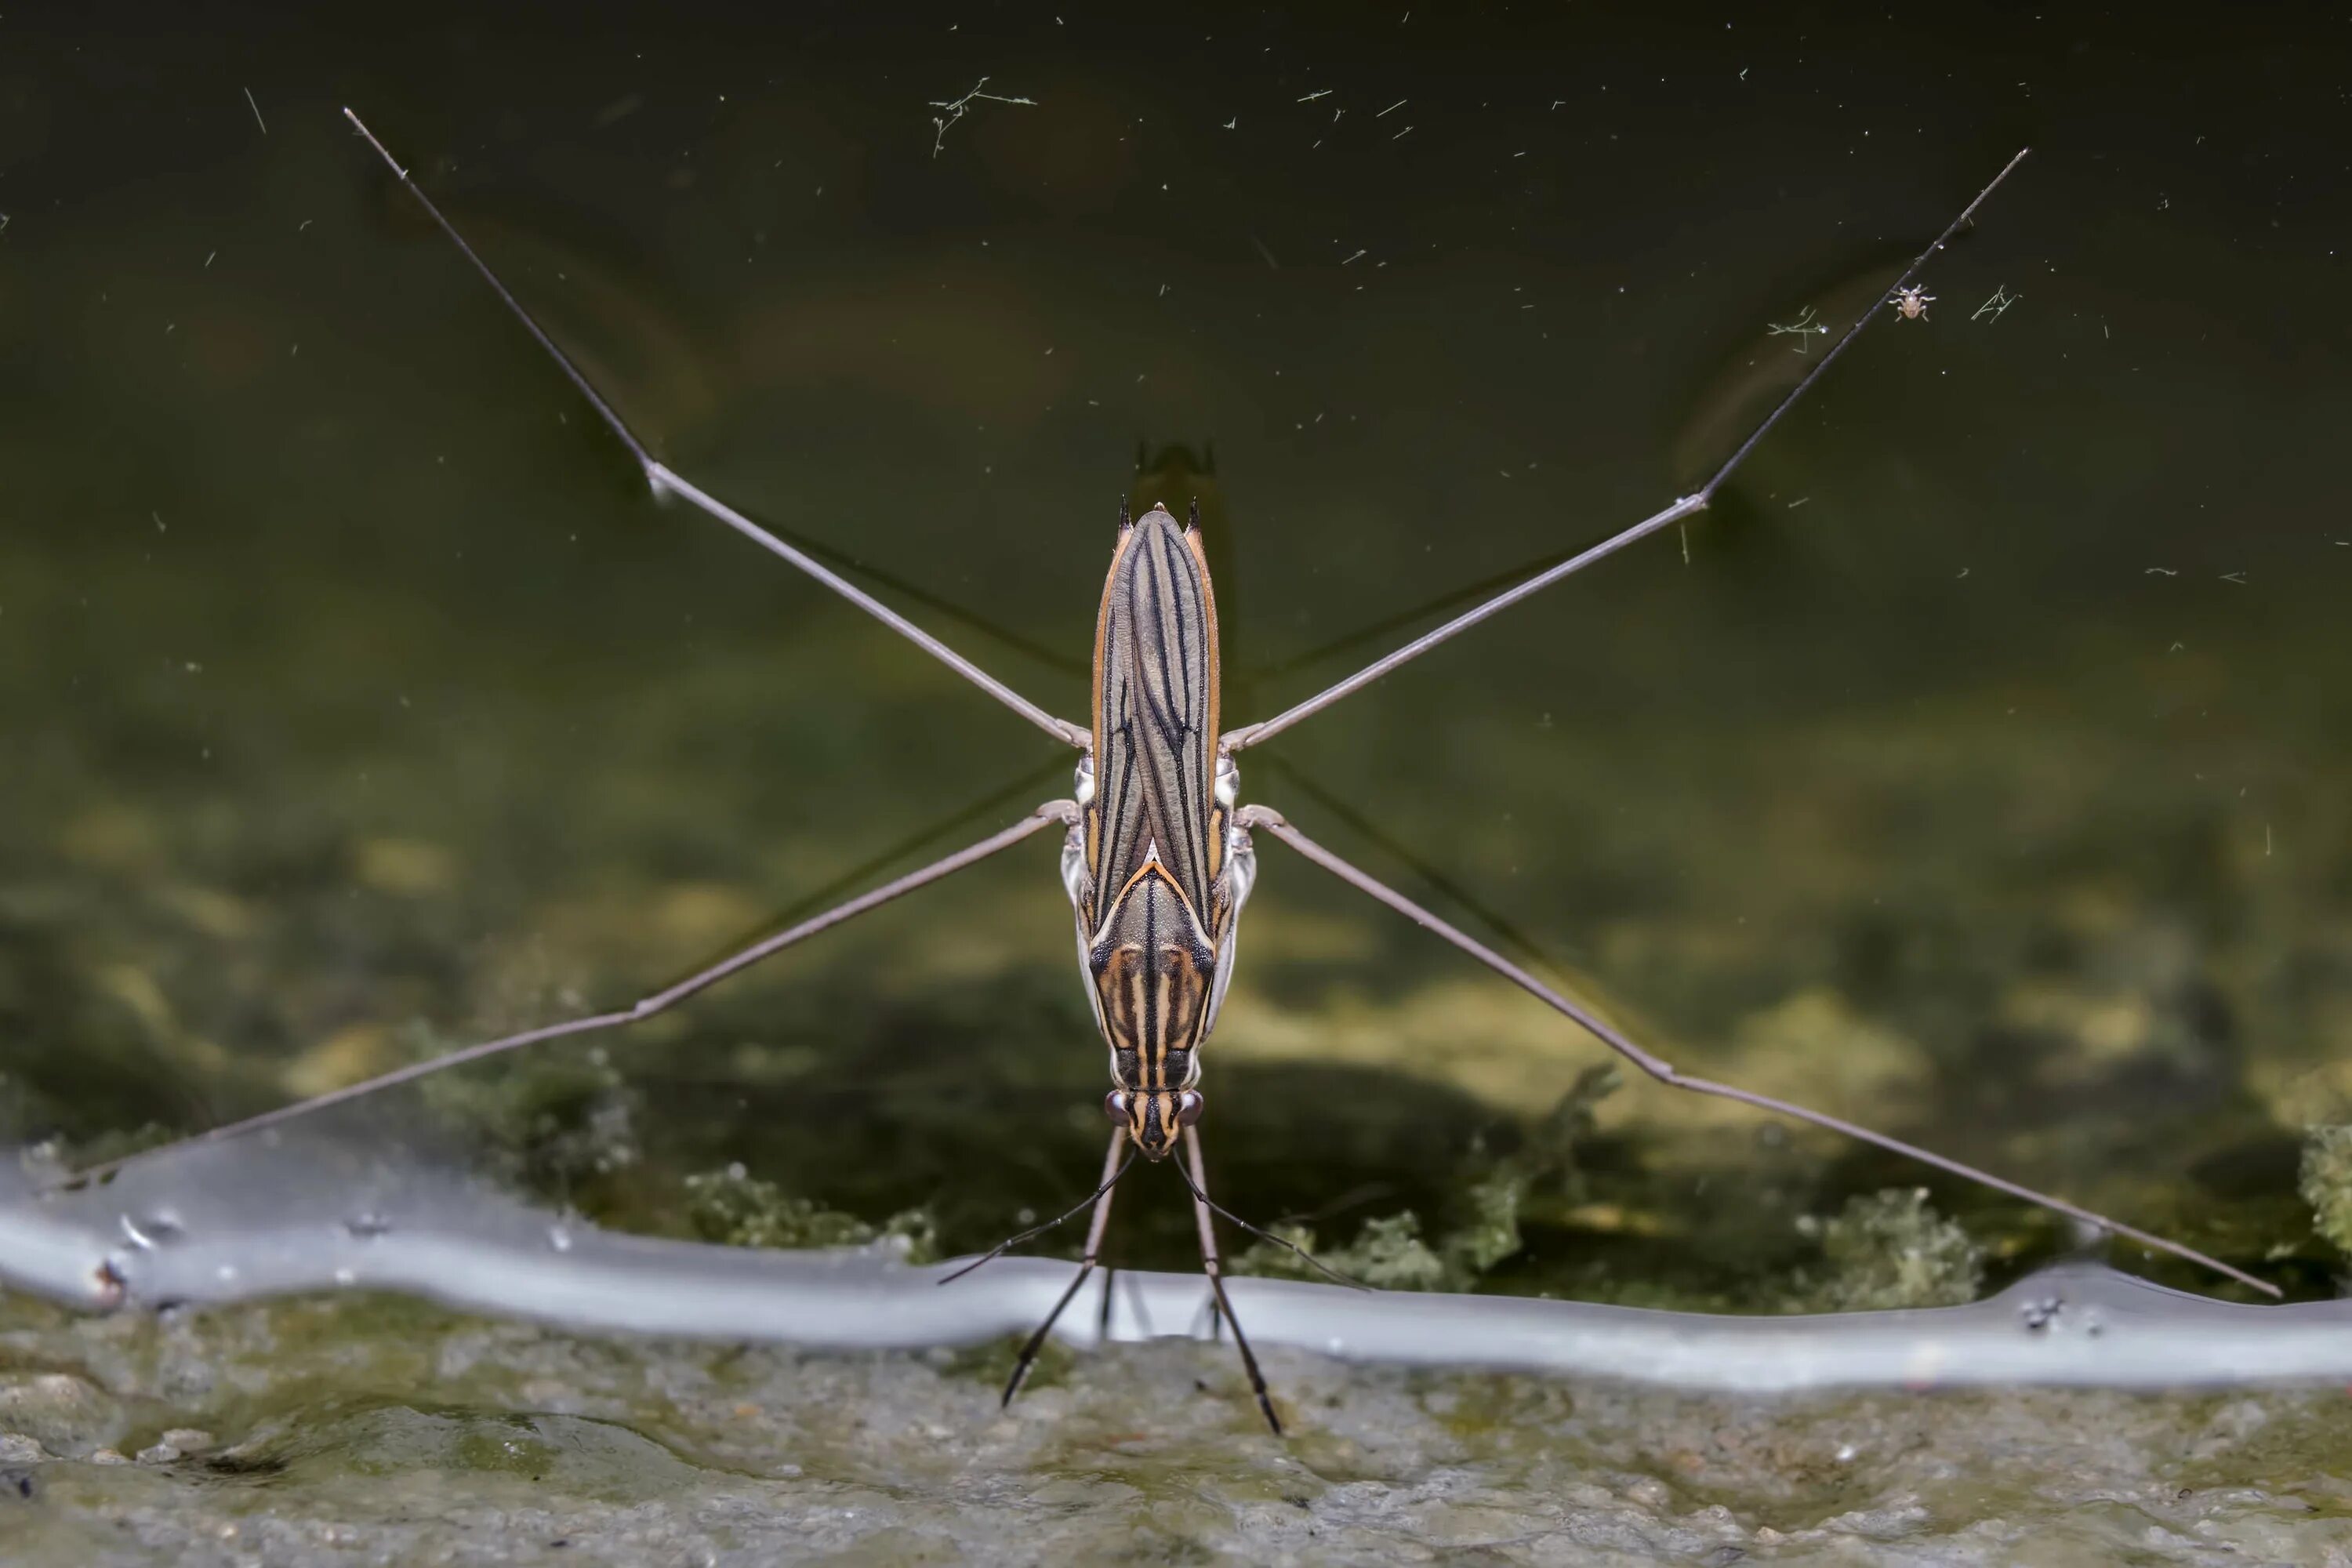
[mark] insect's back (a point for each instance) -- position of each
(1155, 718)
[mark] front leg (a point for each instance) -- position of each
(1095, 1229)
(1214, 1269)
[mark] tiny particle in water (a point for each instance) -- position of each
(559, 1238)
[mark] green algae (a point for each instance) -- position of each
(1484, 1202)
(737, 1209)
(1386, 1254)
(2326, 1184)
(1890, 1249)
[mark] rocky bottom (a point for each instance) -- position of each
(374, 1430)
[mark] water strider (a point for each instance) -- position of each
(1158, 851)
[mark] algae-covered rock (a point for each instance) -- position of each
(1890, 1249)
(58, 1411)
(364, 1429)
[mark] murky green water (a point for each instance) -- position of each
(1976, 768)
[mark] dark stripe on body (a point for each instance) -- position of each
(1155, 716)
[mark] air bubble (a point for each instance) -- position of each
(160, 1227)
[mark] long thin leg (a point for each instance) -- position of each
(664, 482)
(1095, 1229)
(1216, 1270)
(1251, 734)
(1052, 813)
(1256, 817)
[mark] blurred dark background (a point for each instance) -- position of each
(1977, 767)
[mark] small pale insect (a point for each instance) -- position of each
(1158, 855)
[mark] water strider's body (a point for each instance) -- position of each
(1157, 868)
(1157, 856)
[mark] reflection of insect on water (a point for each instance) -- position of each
(1159, 854)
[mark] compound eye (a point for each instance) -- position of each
(1115, 1105)
(1188, 1109)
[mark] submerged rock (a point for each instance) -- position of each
(58, 1410)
